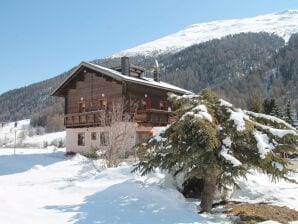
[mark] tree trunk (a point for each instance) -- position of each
(208, 193)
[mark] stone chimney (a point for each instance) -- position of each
(125, 66)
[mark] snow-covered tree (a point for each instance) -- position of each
(218, 143)
(291, 115)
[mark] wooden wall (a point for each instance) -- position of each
(135, 91)
(90, 86)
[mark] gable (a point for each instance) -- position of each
(117, 76)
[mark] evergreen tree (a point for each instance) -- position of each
(289, 116)
(217, 143)
(267, 106)
(256, 104)
(275, 109)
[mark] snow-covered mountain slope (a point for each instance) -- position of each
(28, 136)
(282, 24)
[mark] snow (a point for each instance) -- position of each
(158, 134)
(142, 80)
(225, 103)
(229, 157)
(283, 24)
(41, 186)
(26, 135)
(185, 96)
(278, 166)
(263, 144)
(277, 132)
(269, 117)
(199, 111)
(259, 188)
(227, 143)
(238, 117)
(49, 138)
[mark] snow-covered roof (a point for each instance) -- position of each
(119, 76)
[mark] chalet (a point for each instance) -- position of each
(89, 92)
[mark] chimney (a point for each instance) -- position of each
(125, 66)
(156, 74)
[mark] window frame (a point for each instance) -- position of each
(93, 136)
(81, 139)
(145, 104)
(81, 108)
(104, 138)
(165, 105)
(102, 103)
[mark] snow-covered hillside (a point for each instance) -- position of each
(283, 24)
(41, 186)
(28, 136)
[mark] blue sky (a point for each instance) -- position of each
(40, 39)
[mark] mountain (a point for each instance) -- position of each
(237, 67)
(234, 66)
(283, 24)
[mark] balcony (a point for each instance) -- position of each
(90, 118)
(96, 118)
(153, 116)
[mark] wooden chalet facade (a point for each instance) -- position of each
(89, 92)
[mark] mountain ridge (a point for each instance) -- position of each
(283, 24)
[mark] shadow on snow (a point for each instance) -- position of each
(131, 202)
(11, 164)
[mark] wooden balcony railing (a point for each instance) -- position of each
(96, 118)
(90, 118)
(153, 116)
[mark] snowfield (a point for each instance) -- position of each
(42, 186)
(283, 24)
(28, 136)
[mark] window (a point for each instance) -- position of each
(143, 137)
(102, 103)
(93, 136)
(145, 104)
(81, 139)
(82, 107)
(163, 105)
(104, 138)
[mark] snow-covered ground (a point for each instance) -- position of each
(28, 136)
(283, 24)
(42, 186)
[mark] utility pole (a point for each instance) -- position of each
(15, 137)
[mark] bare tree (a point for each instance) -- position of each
(118, 138)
